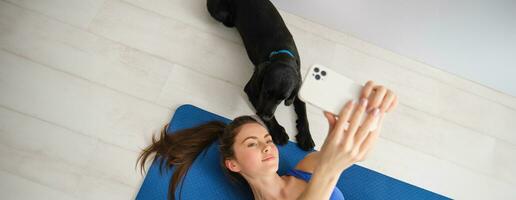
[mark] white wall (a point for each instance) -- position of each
(473, 39)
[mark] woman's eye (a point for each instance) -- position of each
(251, 144)
(269, 141)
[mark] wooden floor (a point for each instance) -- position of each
(85, 83)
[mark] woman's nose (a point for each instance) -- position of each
(267, 148)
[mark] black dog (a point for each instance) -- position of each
(272, 50)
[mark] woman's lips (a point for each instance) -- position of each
(268, 158)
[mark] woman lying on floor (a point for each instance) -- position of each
(250, 157)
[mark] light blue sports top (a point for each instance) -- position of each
(306, 176)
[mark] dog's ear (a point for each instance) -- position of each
(292, 97)
(260, 67)
(259, 73)
(253, 86)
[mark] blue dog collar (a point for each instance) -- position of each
(281, 51)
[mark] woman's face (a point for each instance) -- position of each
(255, 153)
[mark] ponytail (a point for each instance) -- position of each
(180, 149)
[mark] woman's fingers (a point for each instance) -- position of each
(387, 101)
(382, 97)
(356, 119)
(376, 99)
(364, 130)
(344, 115)
(367, 90)
(393, 105)
(331, 119)
(371, 138)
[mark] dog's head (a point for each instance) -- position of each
(272, 83)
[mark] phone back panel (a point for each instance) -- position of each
(330, 91)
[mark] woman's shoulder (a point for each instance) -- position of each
(308, 163)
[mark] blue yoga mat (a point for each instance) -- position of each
(205, 179)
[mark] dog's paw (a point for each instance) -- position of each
(305, 142)
(280, 136)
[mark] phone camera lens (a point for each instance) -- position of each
(317, 77)
(316, 69)
(323, 73)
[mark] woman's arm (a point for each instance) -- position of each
(309, 162)
(320, 186)
(346, 145)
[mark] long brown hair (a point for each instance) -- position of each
(182, 147)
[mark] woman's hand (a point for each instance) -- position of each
(346, 145)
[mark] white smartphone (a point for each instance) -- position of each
(329, 90)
